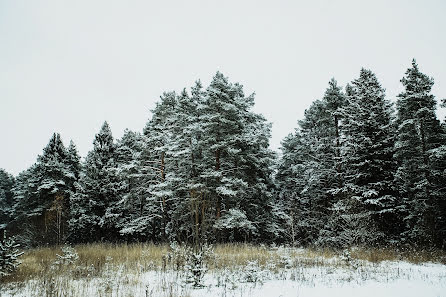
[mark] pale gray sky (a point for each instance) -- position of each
(67, 66)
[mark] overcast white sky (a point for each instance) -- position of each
(67, 66)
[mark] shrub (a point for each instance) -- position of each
(9, 255)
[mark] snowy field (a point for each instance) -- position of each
(289, 274)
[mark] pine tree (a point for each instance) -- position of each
(9, 255)
(97, 191)
(420, 161)
(42, 195)
(235, 154)
(72, 162)
(310, 166)
(335, 101)
(189, 208)
(368, 146)
(160, 138)
(7, 182)
(136, 173)
(290, 183)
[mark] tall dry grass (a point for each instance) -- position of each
(40, 262)
(137, 258)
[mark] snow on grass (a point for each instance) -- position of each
(286, 272)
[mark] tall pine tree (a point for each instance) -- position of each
(420, 178)
(98, 190)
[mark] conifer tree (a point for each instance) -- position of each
(42, 196)
(160, 138)
(136, 214)
(97, 191)
(419, 177)
(368, 146)
(7, 182)
(235, 155)
(290, 184)
(310, 166)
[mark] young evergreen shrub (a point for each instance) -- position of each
(9, 255)
(69, 256)
(196, 264)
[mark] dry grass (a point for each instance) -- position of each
(230, 255)
(389, 254)
(158, 270)
(39, 263)
(138, 258)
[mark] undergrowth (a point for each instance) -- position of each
(91, 260)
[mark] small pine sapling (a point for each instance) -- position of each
(68, 257)
(9, 255)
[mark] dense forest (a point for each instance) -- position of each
(359, 170)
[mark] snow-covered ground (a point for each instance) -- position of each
(288, 277)
(385, 279)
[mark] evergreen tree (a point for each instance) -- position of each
(9, 255)
(42, 195)
(189, 208)
(160, 138)
(137, 213)
(21, 218)
(290, 183)
(310, 166)
(368, 146)
(420, 178)
(97, 191)
(7, 182)
(237, 162)
(72, 162)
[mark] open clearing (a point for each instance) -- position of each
(230, 270)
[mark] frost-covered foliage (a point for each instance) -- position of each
(366, 201)
(42, 194)
(193, 260)
(7, 182)
(196, 264)
(97, 192)
(310, 167)
(236, 222)
(252, 272)
(353, 175)
(69, 256)
(9, 255)
(421, 160)
(202, 171)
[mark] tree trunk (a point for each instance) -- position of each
(338, 153)
(217, 168)
(163, 203)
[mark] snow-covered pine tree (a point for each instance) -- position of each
(254, 166)
(368, 210)
(159, 137)
(237, 162)
(137, 173)
(7, 182)
(21, 224)
(310, 168)
(98, 189)
(438, 159)
(9, 255)
(420, 178)
(290, 183)
(320, 175)
(42, 195)
(73, 162)
(189, 209)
